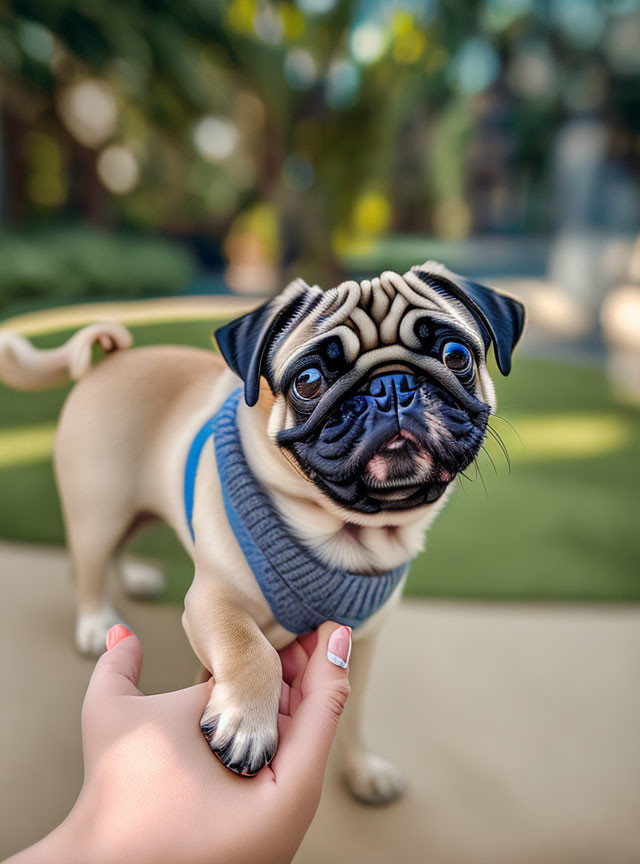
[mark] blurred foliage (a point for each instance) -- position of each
(347, 119)
(82, 263)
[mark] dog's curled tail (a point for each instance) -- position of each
(25, 367)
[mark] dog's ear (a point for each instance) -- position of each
(244, 343)
(501, 317)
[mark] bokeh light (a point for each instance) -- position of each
(118, 169)
(532, 72)
(215, 138)
(368, 42)
(499, 14)
(409, 40)
(89, 111)
(371, 214)
(475, 66)
(343, 84)
(36, 41)
(582, 22)
(268, 25)
(316, 7)
(300, 69)
(621, 44)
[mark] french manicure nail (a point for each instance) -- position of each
(339, 647)
(117, 633)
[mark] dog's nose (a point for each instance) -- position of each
(394, 389)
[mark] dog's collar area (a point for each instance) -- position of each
(301, 590)
(368, 363)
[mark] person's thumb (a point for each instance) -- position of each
(117, 671)
(304, 749)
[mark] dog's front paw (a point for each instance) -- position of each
(92, 629)
(372, 779)
(243, 737)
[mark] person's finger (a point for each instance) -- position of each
(294, 661)
(285, 695)
(309, 642)
(118, 670)
(304, 749)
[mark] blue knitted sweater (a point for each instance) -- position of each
(301, 590)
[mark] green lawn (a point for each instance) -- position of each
(563, 525)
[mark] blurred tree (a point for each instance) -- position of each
(345, 120)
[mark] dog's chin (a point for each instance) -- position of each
(363, 498)
(408, 495)
(400, 475)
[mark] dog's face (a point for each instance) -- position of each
(381, 388)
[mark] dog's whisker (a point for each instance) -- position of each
(488, 455)
(496, 437)
(515, 431)
(479, 474)
(499, 441)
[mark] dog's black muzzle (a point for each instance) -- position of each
(389, 394)
(363, 370)
(429, 424)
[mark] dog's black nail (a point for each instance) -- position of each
(247, 761)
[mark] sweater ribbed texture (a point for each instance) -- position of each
(301, 590)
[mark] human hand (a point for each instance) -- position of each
(154, 792)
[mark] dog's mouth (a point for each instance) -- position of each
(402, 467)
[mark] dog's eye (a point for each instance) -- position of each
(457, 357)
(309, 384)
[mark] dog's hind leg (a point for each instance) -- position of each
(141, 580)
(93, 538)
(371, 778)
(98, 512)
(99, 457)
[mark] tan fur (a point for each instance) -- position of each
(120, 451)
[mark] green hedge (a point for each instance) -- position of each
(75, 264)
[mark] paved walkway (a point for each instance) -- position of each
(518, 727)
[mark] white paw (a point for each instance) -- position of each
(244, 738)
(92, 629)
(372, 779)
(141, 580)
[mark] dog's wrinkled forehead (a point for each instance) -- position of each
(376, 322)
(370, 314)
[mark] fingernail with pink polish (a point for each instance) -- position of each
(339, 647)
(117, 633)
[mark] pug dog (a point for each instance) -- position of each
(301, 470)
